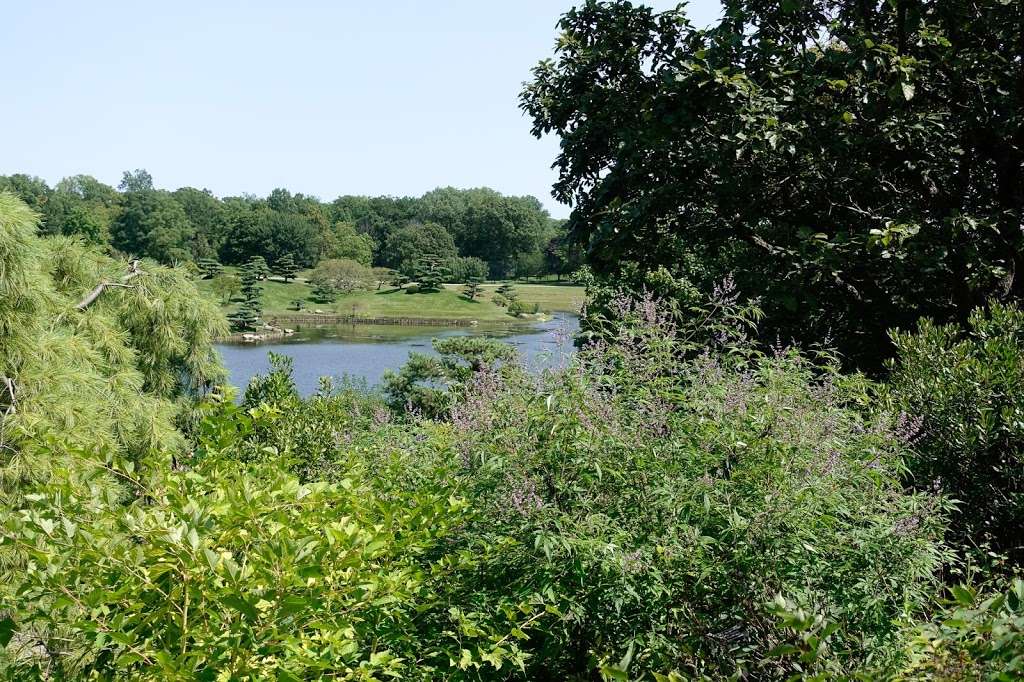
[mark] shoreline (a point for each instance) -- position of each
(274, 330)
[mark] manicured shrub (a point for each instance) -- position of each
(517, 307)
(428, 385)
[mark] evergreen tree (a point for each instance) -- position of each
(286, 268)
(246, 317)
(507, 291)
(209, 268)
(430, 273)
(70, 370)
(298, 304)
(252, 293)
(472, 289)
(324, 293)
(398, 280)
(259, 266)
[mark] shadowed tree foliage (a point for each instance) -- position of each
(856, 164)
(153, 224)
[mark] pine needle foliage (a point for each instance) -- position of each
(112, 378)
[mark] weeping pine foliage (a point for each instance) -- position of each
(110, 379)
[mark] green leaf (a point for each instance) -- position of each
(7, 629)
(241, 605)
(963, 596)
(212, 558)
(193, 538)
(782, 650)
(614, 672)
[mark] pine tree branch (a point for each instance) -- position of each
(90, 298)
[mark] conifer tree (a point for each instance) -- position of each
(286, 268)
(324, 293)
(209, 268)
(398, 280)
(252, 305)
(472, 289)
(96, 355)
(259, 266)
(508, 292)
(430, 273)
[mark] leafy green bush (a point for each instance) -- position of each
(463, 269)
(962, 391)
(517, 307)
(233, 573)
(662, 498)
(426, 384)
(976, 637)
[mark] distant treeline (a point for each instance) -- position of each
(475, 230)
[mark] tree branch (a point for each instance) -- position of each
(8, 396)
(90, 298)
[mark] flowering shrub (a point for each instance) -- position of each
(642, 509)
(665, 501)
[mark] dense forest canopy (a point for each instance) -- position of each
(514, 236)
(855, 164)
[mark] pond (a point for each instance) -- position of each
(363, 352)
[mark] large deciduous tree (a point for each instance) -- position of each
(207, 215)
(257, 230)
(410, 243)
(487, 225)
(153, 224)
(856, 164)
(345, 241)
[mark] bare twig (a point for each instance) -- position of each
(90, 298)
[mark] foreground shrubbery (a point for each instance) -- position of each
(645, 509)
(672, 502)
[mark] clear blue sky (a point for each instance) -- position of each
(320, 97)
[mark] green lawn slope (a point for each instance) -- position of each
(448, 303)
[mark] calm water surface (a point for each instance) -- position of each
(365, 351)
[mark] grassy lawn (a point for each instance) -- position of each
(449, 303)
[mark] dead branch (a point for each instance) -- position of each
(8, 397)
(90, 298)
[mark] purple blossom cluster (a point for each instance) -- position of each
(739, 392)
(725, 293)
(906, 526)
(381, 415)
(908, 428)
(524, 498)
(633, 562)
(474, 413)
